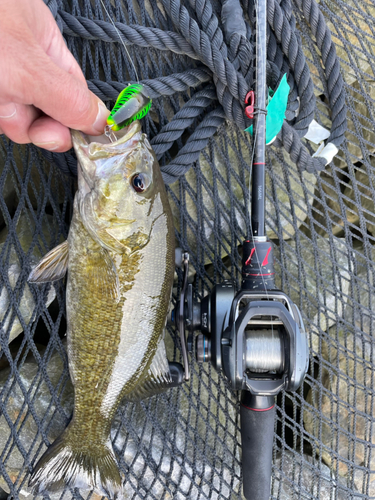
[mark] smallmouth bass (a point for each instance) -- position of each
(120, 261)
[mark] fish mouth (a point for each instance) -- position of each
(91, 150)
(97, 147)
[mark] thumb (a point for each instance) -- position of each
(64, 96)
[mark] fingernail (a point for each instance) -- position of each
(101, 118)
(50, 146)
(8, 110)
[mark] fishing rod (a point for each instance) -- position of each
(256, 337)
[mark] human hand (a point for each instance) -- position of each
(43, 92)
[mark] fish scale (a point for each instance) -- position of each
(89, 339)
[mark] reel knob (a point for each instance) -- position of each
(203, 348)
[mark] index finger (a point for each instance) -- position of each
(61, 55)
(65, 96)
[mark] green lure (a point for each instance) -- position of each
(132, 104)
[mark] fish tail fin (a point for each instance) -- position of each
(72, 462)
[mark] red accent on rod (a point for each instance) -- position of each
(265, 261)
(249, 259)
(260, 163)
(257, 409)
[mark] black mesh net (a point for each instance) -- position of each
(186, 443)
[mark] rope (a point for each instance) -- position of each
(225, 51)
(178, 82)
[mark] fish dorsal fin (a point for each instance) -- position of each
(103, 274)
(158, 378)
(53, 265)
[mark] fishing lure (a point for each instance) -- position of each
(132, 104)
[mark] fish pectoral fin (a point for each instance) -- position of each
(103, 274)
(109, 241)
(157, 380)
(53, 265)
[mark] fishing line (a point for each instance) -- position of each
(108, 130)
(251, 229)
(122, 41)
(258, 54)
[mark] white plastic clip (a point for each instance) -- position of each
(328, 152)
(318, 134)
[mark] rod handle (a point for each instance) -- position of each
(257, 425)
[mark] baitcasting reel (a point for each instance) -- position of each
(256, 337)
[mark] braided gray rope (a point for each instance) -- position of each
(158, 87)
(183, 119)
(141, 36)
(193, 148)
(227, 58)
(331, 65)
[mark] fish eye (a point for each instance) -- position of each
(140, 182)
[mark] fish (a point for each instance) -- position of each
(120, 259)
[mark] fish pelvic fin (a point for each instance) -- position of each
(157, 380)
(53, 265)
(71, 462)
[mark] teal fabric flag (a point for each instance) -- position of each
(275, 110)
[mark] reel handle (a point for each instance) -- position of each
(257, 425)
